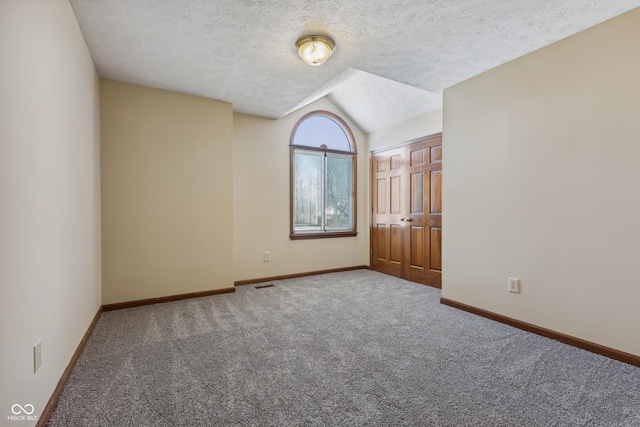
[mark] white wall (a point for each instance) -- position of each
(261, 202)
(167, 202)
(49, 197)
(541, 182)
(416, 127)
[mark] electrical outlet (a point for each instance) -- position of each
(267, 256)
(37, 356)
(514, 285)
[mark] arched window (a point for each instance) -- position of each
(323, 177)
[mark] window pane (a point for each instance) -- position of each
(308, 181)
(339, 210)
(321, 132)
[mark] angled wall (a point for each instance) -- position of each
(167, 203)
(49, 197)
(541, 183)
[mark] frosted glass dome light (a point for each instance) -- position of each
(315, 50)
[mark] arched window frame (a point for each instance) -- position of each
(353, 153)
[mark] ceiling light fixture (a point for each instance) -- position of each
(315, 50)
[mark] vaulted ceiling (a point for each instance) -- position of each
(393, 57)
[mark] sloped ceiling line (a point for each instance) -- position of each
(243, 51)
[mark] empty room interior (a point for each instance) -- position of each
(319, 213)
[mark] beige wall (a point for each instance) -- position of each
(541, 183)
(167, 204)
(261, 202)
(419, 126)
(49, 197)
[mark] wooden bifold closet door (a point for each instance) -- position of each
(406, 211)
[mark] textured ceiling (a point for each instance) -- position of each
(374, 102)
(242, 51)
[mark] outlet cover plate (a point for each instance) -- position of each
(514, 285)
(37, 356)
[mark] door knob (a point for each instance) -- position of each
(408, 219)
(402, 219)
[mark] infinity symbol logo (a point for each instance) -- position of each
(27, 409)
